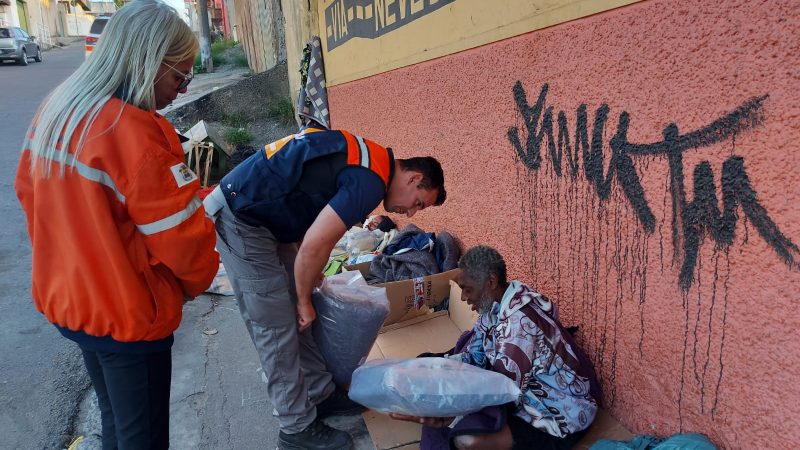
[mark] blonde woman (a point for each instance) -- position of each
(119, 237)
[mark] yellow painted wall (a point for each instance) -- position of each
(365, 37)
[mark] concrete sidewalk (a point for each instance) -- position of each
(218, 400)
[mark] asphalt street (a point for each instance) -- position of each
(41, 375)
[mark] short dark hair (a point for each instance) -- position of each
(481, 261)
(432, 174)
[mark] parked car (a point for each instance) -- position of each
(98, 25)
(17, 45)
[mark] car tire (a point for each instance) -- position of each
(38, 57)
(23, 61)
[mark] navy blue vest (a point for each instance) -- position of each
(285, 185)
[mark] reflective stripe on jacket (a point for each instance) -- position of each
(121, 238)
(286, 185)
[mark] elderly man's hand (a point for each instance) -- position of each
(434, 422)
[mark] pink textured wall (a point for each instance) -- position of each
(720, 355)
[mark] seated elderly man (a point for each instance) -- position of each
(518, 335)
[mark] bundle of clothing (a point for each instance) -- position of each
(356, 246)
(414, 253)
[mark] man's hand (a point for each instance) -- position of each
(311, 258)
(305, 316)
(434, 422)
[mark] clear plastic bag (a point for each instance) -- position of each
(349, 315)
(361, 241)
(429, 387)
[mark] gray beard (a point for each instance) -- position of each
(485, 305)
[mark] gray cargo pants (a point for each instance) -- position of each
(261, 271)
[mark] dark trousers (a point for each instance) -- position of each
(133, 394)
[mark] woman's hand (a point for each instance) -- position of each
(305, 315)
(434, 422)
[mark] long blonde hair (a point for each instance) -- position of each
(136, 41)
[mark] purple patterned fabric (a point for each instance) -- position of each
(489, 420)
(521, 338)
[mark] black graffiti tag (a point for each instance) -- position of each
(691, 221)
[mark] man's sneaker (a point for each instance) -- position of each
(338, 404)
(316, 436)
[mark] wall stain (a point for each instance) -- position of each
(709, 329)
(724, 327)
(685, 304)
(697, 319)
(661, 225)
(690, 221)
(609, 222)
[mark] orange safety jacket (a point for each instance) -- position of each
(120, 239)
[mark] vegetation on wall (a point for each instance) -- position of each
(236, 132)
(281, 109)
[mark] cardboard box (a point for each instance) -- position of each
(432, 332)
(414, 297)
(438, 332)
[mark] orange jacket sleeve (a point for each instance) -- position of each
(162, 201)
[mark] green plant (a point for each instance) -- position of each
(237, 136)
(241, 61)
(222, 44)
(236, 119)
(218, 60)
(218, 48)
(198, 65)
(281, 109)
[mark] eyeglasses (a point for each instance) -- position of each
(187, 77)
